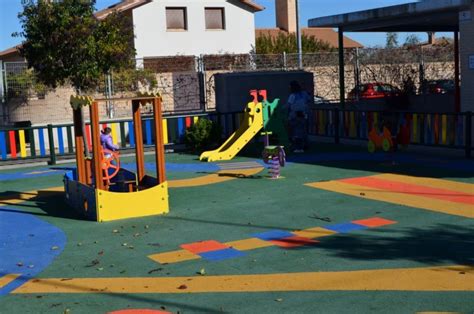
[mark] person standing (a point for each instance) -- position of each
(298, 112)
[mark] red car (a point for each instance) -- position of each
(374, 91)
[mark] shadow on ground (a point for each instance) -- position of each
(42, 203)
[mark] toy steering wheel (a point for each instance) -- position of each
(106, 163)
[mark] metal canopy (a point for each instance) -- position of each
(425, 16)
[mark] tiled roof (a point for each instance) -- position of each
(327, 35)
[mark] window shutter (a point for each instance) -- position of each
(176, 18)
(215, 18)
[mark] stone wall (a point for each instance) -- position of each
(181, 90)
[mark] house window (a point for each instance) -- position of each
(215, 18)
(176, 19)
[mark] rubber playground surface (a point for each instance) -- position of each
(343, 231)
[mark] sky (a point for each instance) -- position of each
(9, 10)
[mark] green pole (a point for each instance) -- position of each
(52, 152)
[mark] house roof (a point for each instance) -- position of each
(9, 51)
(327, 35)
(121, 6)
(256, 7)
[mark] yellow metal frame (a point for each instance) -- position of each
(115, 205)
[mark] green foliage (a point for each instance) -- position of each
(66, 43)
(129, 79)
(284, 42)
(202, 135)
(24, 84)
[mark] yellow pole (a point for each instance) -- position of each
(21, 134)
(444, 127)
(165, 131)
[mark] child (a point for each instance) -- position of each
(106, 140)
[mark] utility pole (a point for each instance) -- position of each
(298, 37)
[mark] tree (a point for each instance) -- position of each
(267, 44)
(65, 42)
(412, 40)
(392, 40)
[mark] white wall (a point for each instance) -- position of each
(152, 38)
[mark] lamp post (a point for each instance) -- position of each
(298, 37)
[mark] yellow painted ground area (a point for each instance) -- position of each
(418, 201)
(241, 245)
(219, 177)
(5, 280)
(444, 278)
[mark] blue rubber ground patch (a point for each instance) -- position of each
(221, 254)
(27, 246)
(273, 235)
(345, 227)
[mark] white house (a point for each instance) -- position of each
(194, 27)
(183, 27)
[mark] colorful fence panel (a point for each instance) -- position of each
(432, 129)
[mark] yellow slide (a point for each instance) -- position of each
(251, 125)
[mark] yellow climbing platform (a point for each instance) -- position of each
(251, 125)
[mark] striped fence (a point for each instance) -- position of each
(451, 130)
(52, 141)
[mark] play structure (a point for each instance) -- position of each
(380, 141)
(257, 116)
(386, 141)
(99, 188)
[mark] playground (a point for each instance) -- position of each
(341, 230)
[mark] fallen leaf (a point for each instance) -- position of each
(154, 244)
(155, 270)
(93, 263)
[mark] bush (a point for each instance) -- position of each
(202, 135)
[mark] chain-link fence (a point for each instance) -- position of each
(186, 83)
